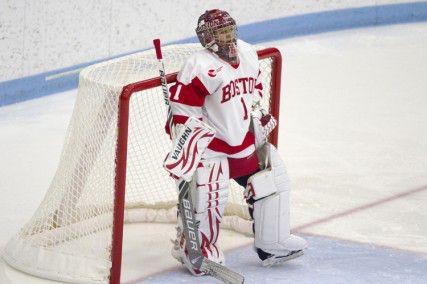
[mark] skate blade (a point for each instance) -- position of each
(276, 260)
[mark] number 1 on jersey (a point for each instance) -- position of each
(245, 116)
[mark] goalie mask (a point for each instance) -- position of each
(216, 31)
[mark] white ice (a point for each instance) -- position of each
(353, 132)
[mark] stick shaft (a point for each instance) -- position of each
(186, 209)
(185, 204)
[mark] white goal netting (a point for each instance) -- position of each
(69, 237)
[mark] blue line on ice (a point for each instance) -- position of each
(35, 86)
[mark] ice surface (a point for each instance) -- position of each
(354, 137)
(326, 261)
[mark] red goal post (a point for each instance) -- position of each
(122, 141)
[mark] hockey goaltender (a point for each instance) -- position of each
(215, 105)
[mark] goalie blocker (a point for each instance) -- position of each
(267, 192)
(189, 144)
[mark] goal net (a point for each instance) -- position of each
(110, 169)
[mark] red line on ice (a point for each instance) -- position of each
(359, 208)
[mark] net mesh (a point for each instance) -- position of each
(69, 237)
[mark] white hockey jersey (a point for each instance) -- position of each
(222, 96)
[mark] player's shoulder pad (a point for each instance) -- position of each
(248, 54)
(205, 66)
(247, 48)
(194, 66)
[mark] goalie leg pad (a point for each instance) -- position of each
(209, 192)
(209, 198)
(268, 192)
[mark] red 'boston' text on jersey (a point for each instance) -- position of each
(239, 86)
(221, 95)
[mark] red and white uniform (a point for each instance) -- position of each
(221, 95)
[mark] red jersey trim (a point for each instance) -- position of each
(259, 86)
(179, 119)
(200, 88)
(243, 166)
(219, 145)
(192, 94)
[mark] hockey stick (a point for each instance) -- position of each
(186, 209)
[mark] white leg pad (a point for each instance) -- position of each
(210, 195)
(272, 230)
(270, 191)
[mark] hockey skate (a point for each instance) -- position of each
(180, 254)
(269, 257)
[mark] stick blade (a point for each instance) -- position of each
(221, 272)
